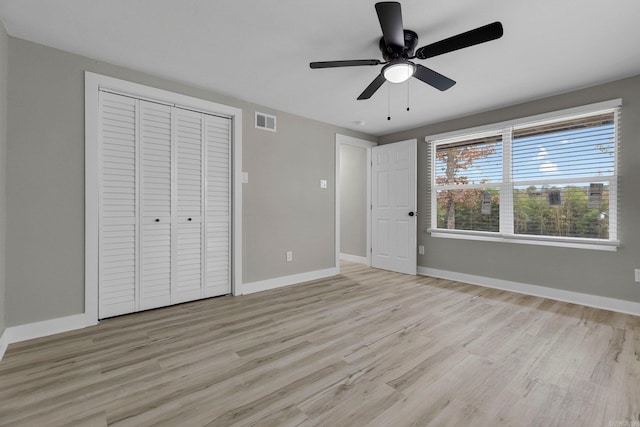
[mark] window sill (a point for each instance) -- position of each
(564, 242)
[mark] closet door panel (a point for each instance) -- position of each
(118, 206)
(218, 206)
(155, 190)
(164, 205)
(188, 262)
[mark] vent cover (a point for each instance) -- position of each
(265, 121)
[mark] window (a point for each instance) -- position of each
(468, 175)
(549, 180)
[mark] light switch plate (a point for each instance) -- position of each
(421, 250)
(323, 183)
(289, 256)
(245, 177)
(637, 272)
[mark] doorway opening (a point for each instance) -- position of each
(353, 199)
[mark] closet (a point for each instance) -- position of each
(164, 205)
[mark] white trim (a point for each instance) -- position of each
(278, 282)
(4, 343)
(91, 192)
(148, 93)
(337, 205)
(356, 142)
(596, 301)
(45, 328)
(94, 83)
(236, 203)
(354, 258)
(613, 185)
(492, 128)
(562, 242)
(367, 145)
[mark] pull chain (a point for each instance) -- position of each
(408, 91)
(388, 102)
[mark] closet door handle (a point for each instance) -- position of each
(188, 219)
(157, 219)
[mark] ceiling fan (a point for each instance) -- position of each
(397, 46)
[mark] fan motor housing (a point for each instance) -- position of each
(390, 53)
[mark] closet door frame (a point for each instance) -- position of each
(93, 84)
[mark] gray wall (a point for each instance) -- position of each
(3, 164)
(283, 205)
(353, 200)
(593, 272)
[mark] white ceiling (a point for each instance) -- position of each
(259, 50)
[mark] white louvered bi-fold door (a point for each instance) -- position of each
(118, 206)
(218, 206)
(155, 192)
(188, 283)
(165, 204)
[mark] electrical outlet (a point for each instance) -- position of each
(637, 271)
(289, 256)
(421, 250)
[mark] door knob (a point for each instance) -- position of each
(157, 219)
(412, 213)
(188, 219)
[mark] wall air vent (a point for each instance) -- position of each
(265, 121)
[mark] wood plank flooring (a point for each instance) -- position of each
(368, 347)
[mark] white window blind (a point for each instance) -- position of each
(467, 172)
(562, 177)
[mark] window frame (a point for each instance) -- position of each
(506, 186)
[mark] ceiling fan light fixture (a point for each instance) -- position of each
(398, 72)
(398, 47)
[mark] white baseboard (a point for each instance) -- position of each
(278, 282)
(606, 303)
(354, 258)
(14, 334)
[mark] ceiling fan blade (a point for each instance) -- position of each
(432, 78)
(390, 17)
(351, 63)
(372, 88)
(470, 38)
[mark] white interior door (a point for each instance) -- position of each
(393, 213)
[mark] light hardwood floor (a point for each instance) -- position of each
(367, 347)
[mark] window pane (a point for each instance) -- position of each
(476, 161)
(473, 209)
(568, 210)
(580, 148)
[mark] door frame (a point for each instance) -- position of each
(367, 145)
(92, 84)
